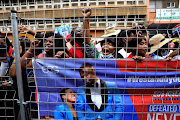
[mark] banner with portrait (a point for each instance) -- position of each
(123, 89)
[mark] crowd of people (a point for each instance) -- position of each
(134, 43)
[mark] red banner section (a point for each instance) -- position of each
(148, 66)
(151, 104)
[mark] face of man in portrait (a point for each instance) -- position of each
(88, 75)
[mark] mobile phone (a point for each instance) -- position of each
(10, 82)
(143, 29)
(87, 11)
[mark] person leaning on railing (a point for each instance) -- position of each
(53, 47)
(138, 47)
(126, 36)
(53, 44)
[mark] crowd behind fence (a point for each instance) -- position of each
(136, 44)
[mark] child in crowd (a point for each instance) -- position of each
(138, 47)
(67, 109)
(108, 46)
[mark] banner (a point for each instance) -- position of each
(63, 30)
(167, 14)
(90, 89)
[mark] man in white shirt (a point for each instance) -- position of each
(97, 100)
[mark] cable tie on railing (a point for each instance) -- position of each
(18, 101)
(24, 103)
(18, 18)
(9, 18)
(14, 11)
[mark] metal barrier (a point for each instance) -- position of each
(40, 85)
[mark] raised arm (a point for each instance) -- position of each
(24, 30)
(173, 54)
(26, 60)
(86, 12)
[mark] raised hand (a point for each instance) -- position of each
(138, 58)
(86, 12)
(61, 54)
(23, 30)
(34, 44)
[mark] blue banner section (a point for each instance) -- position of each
(53, 73)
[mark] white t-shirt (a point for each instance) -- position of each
(3, 68)
(96, 95)
(124, 53)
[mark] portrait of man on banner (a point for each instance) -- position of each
(97, 99)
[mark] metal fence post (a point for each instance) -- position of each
(18, 65)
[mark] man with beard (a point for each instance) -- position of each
(97, 99)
